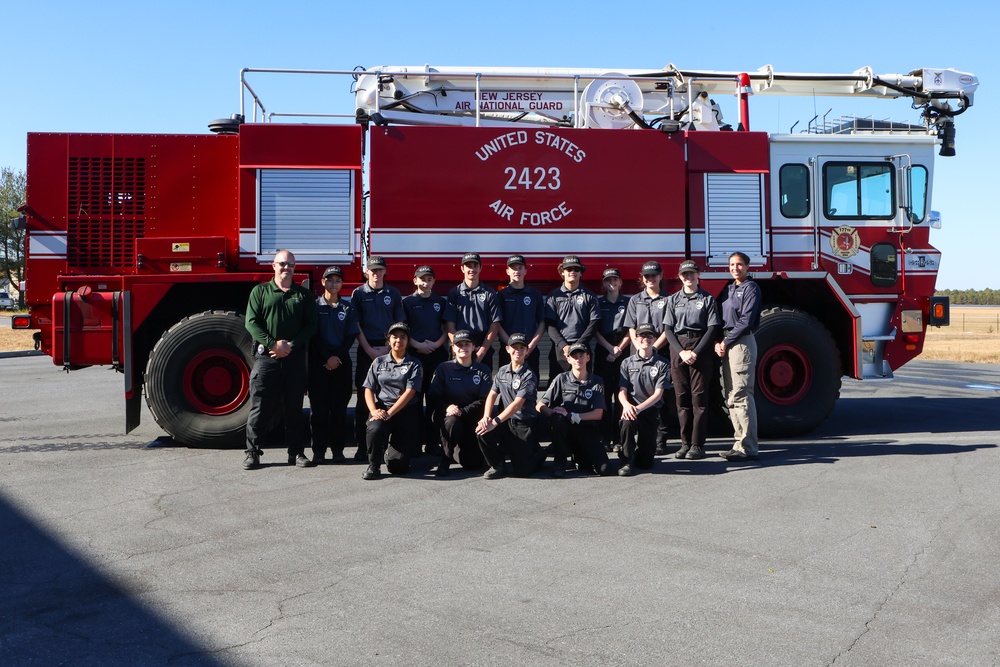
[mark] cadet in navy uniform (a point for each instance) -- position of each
(522, 310)
(691, 322)
(511, 432)
(571, 315)
(378, 306)
(646, 307)
(456, 395)
(741, 305)
(644, 377)
(330, 368)
(428, 339)
(474, 307)
(392, 394)
(613, 344)
(574, 404)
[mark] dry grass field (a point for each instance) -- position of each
(974, 337)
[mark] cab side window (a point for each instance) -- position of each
(793, 190)
(858, 190)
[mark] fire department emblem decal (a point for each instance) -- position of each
(437, 307)
(588, 394)
(579, 299)
(845, 241)
(476, 380)
(387, 299)
(516, 383)
(527, 300)
(341, 316)
(653, 372)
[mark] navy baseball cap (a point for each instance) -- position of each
(399, 326)
(423, 271)
(646, 329)
(652, 266)
(516, 259)
(517, 339)
(376, 262)
(578, 347)
(612, 273)
(462, 336)
(333, 271)
(570, 261)
(688, 265)
(471, 257)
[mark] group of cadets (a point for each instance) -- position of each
(424, 376)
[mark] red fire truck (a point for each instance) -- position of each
(142, 249)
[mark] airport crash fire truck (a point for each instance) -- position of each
(142, 249)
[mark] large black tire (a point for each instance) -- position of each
(798, 373)
(198, 380)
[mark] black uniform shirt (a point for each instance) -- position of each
(377, 310)
(522, 310)
(388, 378)
(645, 309)
(741, 306)
(572, 316)
(455, 384)
(574, 395)
(338, 325)
(425, 315)
(613, 317)
(472, 308)
(693, 313)
(512, 385)
(641, 377)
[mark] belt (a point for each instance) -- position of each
(690, 333)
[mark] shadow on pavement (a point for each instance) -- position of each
(57, 609)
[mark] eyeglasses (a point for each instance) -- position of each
(284, 264)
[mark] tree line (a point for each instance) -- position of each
(972, 297)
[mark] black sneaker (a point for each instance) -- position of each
(682, 452)
(626, 470)
(337, 456)
(373, 472)
(302, 462)
(697, 452)
(443, 469)
(252, 461)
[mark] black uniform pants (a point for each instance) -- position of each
(582, 440)
(395, 441)
(361, 408)
(691, 384)
(277, 388)
(514, 439)
(610, 374)
(329, 394)
(428, 364)
(458, 439)
(639, 439)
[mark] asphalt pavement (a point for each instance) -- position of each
(872, 541)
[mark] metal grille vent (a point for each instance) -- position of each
(106, 212)
(734, 216)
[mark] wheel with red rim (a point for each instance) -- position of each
(198, 379)
(798, 372)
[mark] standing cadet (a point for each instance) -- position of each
(425, 314)
(691, 322)
(330, 368)
(392, 394)
(643, 380)
(512, 431)
(378, 306)
(741, 305)
(646, 307)
(281, 318)
(613, 343)
(456, 396)
(574, 404)
(474, 307)
(522, 310)
(571, 314)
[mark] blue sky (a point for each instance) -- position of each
(172, 67)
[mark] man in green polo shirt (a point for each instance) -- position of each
(281, 317)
